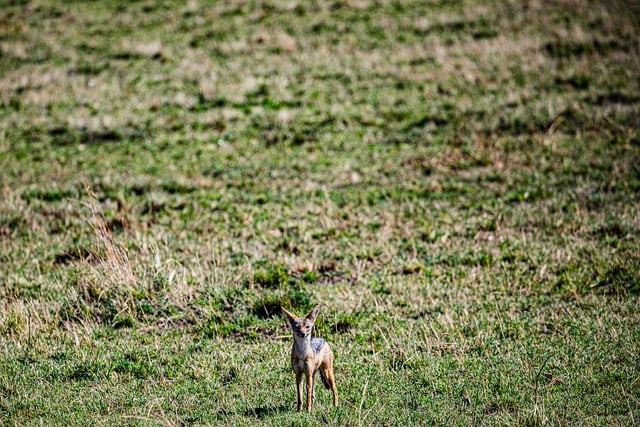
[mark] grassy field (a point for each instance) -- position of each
(458, 181)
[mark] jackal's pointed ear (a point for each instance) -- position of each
(290, 317)
(313, 314)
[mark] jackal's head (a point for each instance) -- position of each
(301, 326)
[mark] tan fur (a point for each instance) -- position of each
(306, 360)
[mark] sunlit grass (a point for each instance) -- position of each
(457, 182)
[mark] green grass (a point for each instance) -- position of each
(458, 182)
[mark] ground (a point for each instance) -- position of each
(457, 181)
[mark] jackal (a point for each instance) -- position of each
(310, 355)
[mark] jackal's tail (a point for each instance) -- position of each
(324, 380)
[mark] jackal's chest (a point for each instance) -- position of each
(300, 364)
(304, 357)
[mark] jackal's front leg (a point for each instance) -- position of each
(299, 389)
(309, 375)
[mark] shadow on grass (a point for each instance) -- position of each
(264, 411)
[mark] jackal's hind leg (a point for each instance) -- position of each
(329, 380)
